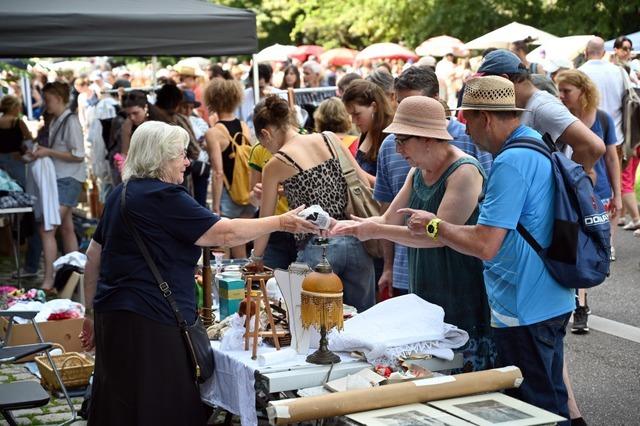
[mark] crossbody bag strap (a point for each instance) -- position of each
(52, 140)
(162, 284)
(345, 164)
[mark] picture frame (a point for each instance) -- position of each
(407, 415)
(496, 409)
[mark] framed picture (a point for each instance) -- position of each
(407, 415)
(496, 409)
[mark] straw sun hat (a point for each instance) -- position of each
(420, 116)
(489, 93)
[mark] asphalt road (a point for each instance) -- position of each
(605, 367)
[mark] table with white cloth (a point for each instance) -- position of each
(237, 378)
(15, 216)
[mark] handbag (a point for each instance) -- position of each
(195, 335)
(630, 118)
(360, 196)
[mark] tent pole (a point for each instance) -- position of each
(256, 81)
(26, 95)
(154, 70)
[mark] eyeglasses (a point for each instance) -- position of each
(402, 139)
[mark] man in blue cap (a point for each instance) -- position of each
(545, 113)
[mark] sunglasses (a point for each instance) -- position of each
(402, 139)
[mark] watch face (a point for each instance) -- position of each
(430, 229)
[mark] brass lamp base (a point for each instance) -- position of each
(323, 355)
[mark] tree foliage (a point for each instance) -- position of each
(358, 23)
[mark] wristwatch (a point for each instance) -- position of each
(254, 258)
(432, 228)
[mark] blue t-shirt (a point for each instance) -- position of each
(521, 189)
(169, 221)
(603, 185)
(390, 176)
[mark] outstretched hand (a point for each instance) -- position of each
(418, 220)
(358, 227)
(291, 222)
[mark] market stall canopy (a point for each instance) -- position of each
(502, 37)
(50, 28)
(338, 57)
(442, 45)
(386, 51)
(303, 52)
(635, 41)
(275, 53)
(560, 48)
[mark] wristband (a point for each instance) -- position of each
(432, 228)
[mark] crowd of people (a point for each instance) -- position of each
(199, 149)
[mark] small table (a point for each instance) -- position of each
(15, 216)
(237, 378)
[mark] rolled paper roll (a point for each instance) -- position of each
(296, 410)
(276, 357)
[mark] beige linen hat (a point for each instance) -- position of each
(489, 93)
(420, 116)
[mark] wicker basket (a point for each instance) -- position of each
(74, 368)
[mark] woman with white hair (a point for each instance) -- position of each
(141, 357)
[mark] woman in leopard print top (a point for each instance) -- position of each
(308, 169)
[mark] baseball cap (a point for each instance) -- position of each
(189, 97)
(501, 61)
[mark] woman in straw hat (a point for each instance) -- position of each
(446, 180)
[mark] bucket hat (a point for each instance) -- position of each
(420, 116)
(489, 93)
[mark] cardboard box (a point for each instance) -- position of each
(63, 332)
(232, 291)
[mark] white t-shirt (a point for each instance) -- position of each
(609, 80)
(546, 114)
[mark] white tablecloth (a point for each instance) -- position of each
(232, 386)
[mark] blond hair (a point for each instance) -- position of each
(223, 95)
(9, 103)
(332, 116)
(153, 145)
(589, 98)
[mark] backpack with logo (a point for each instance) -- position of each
(578, 256)
(240, 185)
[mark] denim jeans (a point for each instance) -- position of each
(537, 349)
(351, 263)
(281, 250)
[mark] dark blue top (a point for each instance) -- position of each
(603, 186)
(169, 221)
(368, 166)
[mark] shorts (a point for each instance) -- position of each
(231, 210)
(628, 179)
(69, 191)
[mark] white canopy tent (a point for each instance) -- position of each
(502, 37)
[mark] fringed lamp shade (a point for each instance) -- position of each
(322, 308)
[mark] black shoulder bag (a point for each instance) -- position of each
(195, 336)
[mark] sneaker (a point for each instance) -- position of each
(580, 317)
(632, 225)
(24, 274)
(612, 255)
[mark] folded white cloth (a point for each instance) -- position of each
(397, 326)
(277, 357)
(74, 258)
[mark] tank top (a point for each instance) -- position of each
(322, 184)
(442, 275)
(234, 127)
(11, 139)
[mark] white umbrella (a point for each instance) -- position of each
(386, 51)
(76, 66)
(441, 45)
(561, 48)
(275, 53)
(501, 38)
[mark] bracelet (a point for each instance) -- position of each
(88, 312)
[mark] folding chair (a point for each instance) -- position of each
(26, 394)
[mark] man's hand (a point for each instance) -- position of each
(291, 222)
(87, 338)
(418, 220)
(385, 282)
(255, 196)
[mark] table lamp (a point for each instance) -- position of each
(322, 306)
